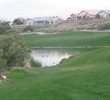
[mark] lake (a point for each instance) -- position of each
(51, 57)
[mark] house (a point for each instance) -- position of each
(73, 18)
(42, 21)
(88, 13)
(83, 15)
(68, 19)
(104, 14)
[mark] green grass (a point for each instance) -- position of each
(83, 77)
(67, 49)
(15, 74)
(68, 39)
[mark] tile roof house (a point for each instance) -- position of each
(89, 13)
(42, 21)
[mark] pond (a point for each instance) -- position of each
(51, 57)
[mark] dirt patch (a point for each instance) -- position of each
(40, 33)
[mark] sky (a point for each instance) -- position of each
(11, 9)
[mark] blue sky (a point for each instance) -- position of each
(11, 9)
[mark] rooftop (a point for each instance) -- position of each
(44, 18)
(107, 11)
(92, 12)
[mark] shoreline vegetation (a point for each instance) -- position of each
(13, 51)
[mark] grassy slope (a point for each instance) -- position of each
(84, 77)
(69, 39)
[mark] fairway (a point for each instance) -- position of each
(68, 39)
(84, 77)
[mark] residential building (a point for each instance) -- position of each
(74, 18)
(104, 14)
(43, 21)
(88, 13)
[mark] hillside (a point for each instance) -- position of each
(65, 26)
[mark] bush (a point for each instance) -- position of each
(2, 64)
(91, 26)
(34, 63)
(12, 50)
(104, 26)
(28, 29)
(80, 28)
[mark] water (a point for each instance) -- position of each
(51, 58)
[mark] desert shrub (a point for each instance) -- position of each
(83, 22)
(80, 28)
(91, 26)
(104, 26)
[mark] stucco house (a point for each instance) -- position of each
(74, 18)
(68, 19)
(42, 21)
(88, 13)
(104, 14)
(84, 14)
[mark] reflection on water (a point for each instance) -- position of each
(51, 58)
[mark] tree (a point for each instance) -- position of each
(18, 21)
(5, 27)
(12, 50)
